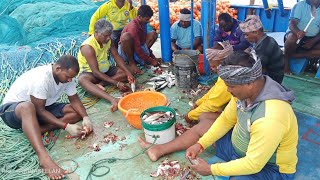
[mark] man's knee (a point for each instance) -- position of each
(86, 77)
(125, 37)
(26, 108)
(68, 109)
(291, 39)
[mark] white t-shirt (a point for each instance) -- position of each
(38, 82)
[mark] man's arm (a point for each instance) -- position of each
(174, 46)
(45, 115)
(217, 37)
(120, 62)
(77, 105)
(197, 42)
(261, 147)
(244, 44)
(101, 12)
(293, 26)
(197, 34)
(137, 45)
(90, 55)
(221, 126)
(133, 11)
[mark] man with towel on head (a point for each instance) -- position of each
(256, 135)
(181, 32)
(267, 48)
(204, 112)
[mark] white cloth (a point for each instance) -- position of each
(38, 82)
(185, 17)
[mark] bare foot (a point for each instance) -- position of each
(152, 151)
(135, 69)
(114, 105)
(51, 169)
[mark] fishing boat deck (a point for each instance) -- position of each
(306, 107)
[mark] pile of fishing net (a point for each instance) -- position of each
(27, 21)
(18, 159)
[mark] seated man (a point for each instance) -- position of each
(133, 46)
(308, 46)
(118, 13)
(229, 31)
(95, 69)
(256, 135)
(206, 110)
(266, 48)
(181, 32)
(30, 104)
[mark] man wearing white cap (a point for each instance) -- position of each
(267, 49)
(181, 32)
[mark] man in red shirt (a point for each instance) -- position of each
(134, 45)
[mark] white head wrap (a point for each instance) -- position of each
(185, 17)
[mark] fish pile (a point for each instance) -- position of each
(168, 169)
(166, 79)
(157, 117)
(110, 138)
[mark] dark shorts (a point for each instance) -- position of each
(135, 56)
(225, 153)
(302, 41)
(7, 113)
(115, 36)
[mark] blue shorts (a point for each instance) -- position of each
(9, 117)
(225, 153)
(135, 56)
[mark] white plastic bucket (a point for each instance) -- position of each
(159, 133)
(162, 136)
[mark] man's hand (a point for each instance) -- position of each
(194, 151)
(202, 167)
(122, 87)
(155, 62)
(74, 129)
(300, 34)
(131, 78)
(86, 122)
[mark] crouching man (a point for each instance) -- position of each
(31, 104)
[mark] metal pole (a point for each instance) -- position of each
(164, 20)
(213, 21)
(191, 35)
(281, 8)
(205, 10)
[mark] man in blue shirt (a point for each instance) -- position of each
(181, 32)
(229, 31)
(308, 45)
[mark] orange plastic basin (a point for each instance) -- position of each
(134, 104)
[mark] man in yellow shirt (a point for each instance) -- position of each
(95, 70)
(256, 136)
(118, 13)
(217, 97)
(206, 111)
